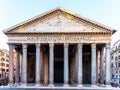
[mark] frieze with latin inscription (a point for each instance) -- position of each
(62, 38)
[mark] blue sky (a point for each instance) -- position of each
(15, 11)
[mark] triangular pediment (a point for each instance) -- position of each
(59, 21)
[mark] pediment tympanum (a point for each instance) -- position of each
(59, 21)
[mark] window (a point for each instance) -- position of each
(3, 64)
(112, 57)
(7, 60)
(3, 70)
(7, 70)
(115, 58)
(116, 64)
(3, 59)
(7, 65)
(112, 76)
(116, 76)
(119, 64)
(112, 65)
(119, 56)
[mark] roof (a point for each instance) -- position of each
(55, 11)
(3, 50)
(117, 42)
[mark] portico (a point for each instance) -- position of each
(59, 47)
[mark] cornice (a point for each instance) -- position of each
(60, 33)
(114, 51)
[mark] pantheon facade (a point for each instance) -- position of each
(60, 47)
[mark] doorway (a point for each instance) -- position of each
(31, 62)
(58, 64)
(86, 64)
(58, 71)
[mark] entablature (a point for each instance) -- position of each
(59, 38)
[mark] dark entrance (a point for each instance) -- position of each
(58, 72)
(31, 60)
(58, 64)
(86, 64)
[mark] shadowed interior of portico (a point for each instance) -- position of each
(86, 64)
(31, 63)
(59, 63)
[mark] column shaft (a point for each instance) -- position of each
(11, 75)
(108, 64)
(97, 67)
(93, 64)
(24, 64)
(51, 64)
(46, 69)
(79, 64)
(38, 64)
(102, 66)
(17, 73)
(66, 70)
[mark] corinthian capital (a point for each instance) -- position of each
(51, 45)
(80, 45)
(93, 46)
(66, 44)
(24, 46)
(38, 45)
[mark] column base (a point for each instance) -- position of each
(51, 85)
(102, 85)
(66, 85)
(108, 86)
(10, 85)
(38, 84)
(97, 84)
(80, 85)
(23, 85)
(94, 86)
(17, 84)
(20, 83)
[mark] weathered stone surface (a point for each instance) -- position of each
(60, 23)
(59, 27)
